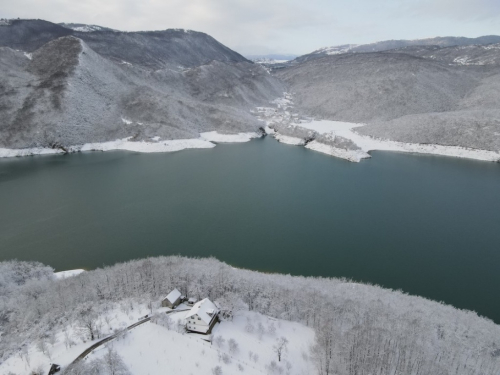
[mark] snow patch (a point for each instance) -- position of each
(126, 121)
(147, 147)
(10, 153)
(66, 274)
(351, 155)
(228, 138)
(289, 140)
(29, 56)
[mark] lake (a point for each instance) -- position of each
(427, 225)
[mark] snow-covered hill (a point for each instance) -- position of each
(394, 44)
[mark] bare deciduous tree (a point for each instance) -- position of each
(280, 347)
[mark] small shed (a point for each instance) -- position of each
(172, 300)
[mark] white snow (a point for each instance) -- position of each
(125, 121)
(289, 140)
(203, 309)
(228, 138)
(346, 130)
(29, 56)
(173, 296)
(68, 273)
(153, 349)
(118, 317)
(13, 152)
(147, 147)
(351, 155)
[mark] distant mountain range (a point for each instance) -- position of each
(387, 45)
(67, 84)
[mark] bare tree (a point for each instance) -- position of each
(280, 347)
(219, 341)
(87, 322)
(114, 364)
(233, 346)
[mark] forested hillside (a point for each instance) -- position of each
(360, 329)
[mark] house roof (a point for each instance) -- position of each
(173, 296)
(202, 308)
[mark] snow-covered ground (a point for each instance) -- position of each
(228, 138)
(154, 349)
(282, 113)
(347, 130)
(68, 343)
(206, 140)
(12, 152)
(147, 147)
(68, 273)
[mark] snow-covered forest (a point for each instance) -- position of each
(359, 329)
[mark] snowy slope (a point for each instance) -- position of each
(150, 348)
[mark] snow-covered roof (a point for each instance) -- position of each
(173, 296)
(203, 309)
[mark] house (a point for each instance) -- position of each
(202, 317)
(172, 300)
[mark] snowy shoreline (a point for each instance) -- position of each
(69, 273)
(209, 140)
(366, 144)
(206, 140)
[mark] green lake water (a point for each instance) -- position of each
(427, 225)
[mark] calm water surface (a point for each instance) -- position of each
(427, 225)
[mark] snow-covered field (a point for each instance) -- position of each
(244, 344)
(154, 349)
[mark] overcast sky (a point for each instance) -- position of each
(277, 26)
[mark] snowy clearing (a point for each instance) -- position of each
(229, 138)
(242, 345)
(345, 129)
(68, 273)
